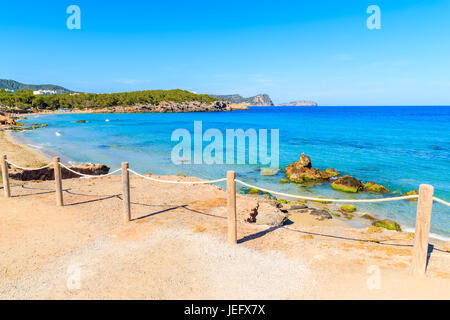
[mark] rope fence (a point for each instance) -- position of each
(30, 169)
(176, 182)
(327, 199)
(423, 216)
(89, 176)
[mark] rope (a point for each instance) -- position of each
(180, 182)
(441, 201)
(28, 169)
(324, 199)
(89, 176)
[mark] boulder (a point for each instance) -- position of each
(48, 173)
(298, 207)
(320, 214)
(304, 161)
(331, 172)
(347, 184)
(268, 172)
(302, 171)
(412, 193)
(348, 208)
(371, 186)
(387, 224)
(302, 174)
(6, 120)
(254, 191)
(265, 213)
(368, 217)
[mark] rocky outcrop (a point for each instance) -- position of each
(319, 214)
(267, 213)
(236, 99)
(376, 188)
(387, 224)
(6, 120)
(304, 161)
(302, 171)
(49, 173)
(348, 208)
(169, 107)
(347, 184)
(412, 193)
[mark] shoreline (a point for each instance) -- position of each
(20, 152)
(175, 246)
(39, 153)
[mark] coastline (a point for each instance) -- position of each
(20, 152)
(25, 154)
(329, 258)
(312, 258)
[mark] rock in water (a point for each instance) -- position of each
(348, 208)
(387, 224)
(412, 193)
(304, 161)
(347, 184)
(373, 187)
(302, 171)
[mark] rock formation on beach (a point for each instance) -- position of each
(267, 212)
(49, 174)
(302, 171)
(6, 120)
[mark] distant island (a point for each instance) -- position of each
(298, 103)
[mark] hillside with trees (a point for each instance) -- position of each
(17, 86)
(22, 100)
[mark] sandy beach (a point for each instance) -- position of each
(175, 247)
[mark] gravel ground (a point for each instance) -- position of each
(175, 248)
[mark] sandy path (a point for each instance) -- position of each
(176, 249)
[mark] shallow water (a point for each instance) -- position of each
(398, 147)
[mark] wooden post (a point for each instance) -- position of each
(126, 191)
(423, 220)
(5, 176)
(231, 191)
(58, 182)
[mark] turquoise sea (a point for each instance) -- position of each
(398, 147)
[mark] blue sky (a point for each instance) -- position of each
(319, 50)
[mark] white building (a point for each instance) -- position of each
(45, 92)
